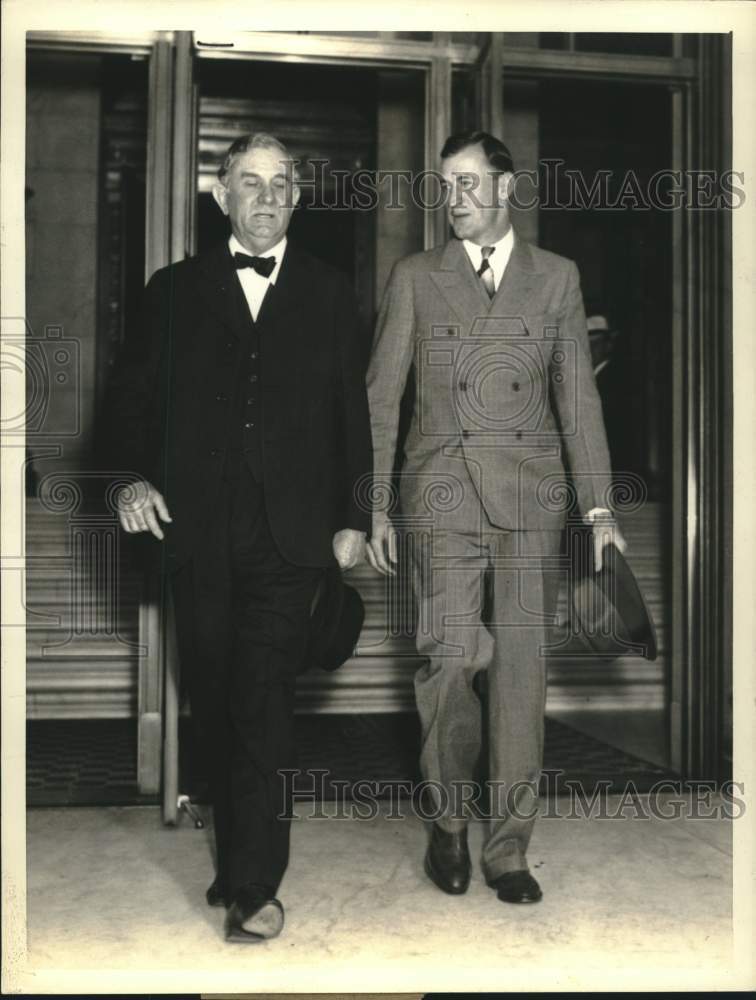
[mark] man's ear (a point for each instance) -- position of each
(220, 193)
(505, 187)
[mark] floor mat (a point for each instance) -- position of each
(93, 761)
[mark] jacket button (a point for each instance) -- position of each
(249, 425)
(516, 386)
(253, 355)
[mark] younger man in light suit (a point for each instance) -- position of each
(505, 398)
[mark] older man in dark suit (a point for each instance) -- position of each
(240, 404)
(505, 398)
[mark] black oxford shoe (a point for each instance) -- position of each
(216, 894)
(253, 916)
(517, 887)
(447, 861)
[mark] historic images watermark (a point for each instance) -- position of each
(316, 794)
(552, 186)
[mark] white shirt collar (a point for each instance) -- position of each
(277, 251)
(498, 260)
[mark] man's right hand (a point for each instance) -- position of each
(381, 549)
(139, 506)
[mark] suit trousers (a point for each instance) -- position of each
(242, 621)
(449, 569)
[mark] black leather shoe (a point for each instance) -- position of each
(447, 860)
(253, 916)
(517, 887)
(217, 894)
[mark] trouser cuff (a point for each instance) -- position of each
(510, 862)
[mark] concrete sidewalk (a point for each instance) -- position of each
(118, 899)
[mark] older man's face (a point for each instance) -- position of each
(258, 194)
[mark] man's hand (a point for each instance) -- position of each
(349, 547)
(381, 550)
(139, 507)
(605, 532)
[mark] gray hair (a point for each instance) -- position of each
(255, 140)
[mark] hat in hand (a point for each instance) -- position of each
(608, 611)
(337, 617)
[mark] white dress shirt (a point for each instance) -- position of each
(254, 285)
(499, 258)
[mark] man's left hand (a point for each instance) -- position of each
(349, 547)
(605, 532)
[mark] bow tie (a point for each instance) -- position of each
(263, 265)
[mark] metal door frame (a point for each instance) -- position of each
(702, 502)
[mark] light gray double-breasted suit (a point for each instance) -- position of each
(505, 400)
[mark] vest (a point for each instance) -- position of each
(245, 436)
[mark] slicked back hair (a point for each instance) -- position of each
(255, 140)
(497, 154)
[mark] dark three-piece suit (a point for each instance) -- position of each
(257, 434)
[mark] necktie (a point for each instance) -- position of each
(263, 265)
(485, 272)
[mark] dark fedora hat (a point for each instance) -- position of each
(608, 614)
(336, 622)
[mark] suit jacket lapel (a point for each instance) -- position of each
(465, 293)
(291, 291)
(459, 284)
(221, 290)
(517, 284)
(224, 296)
